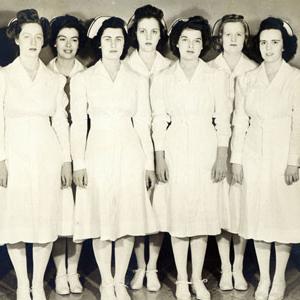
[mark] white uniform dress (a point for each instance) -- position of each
(67, 220)
(117, 153)
(160, 64)
(229, 203)
(269, 207)
(190, 142)
(34, 152)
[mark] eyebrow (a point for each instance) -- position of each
(72, 37)
(109, 36)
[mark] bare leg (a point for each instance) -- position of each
(139, 250)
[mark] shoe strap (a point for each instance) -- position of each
(139, 270)
(204, 280)
(183, 282)
(152, 271)
(121, 284)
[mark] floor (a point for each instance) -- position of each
(91, 278)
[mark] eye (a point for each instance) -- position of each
(184, 39)
(155, 31)
(75, 40)
(262, 43)
(61, 39)
(39, 37)
(141, 30)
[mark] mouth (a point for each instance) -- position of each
(68, 51)
(190, 51)
(233, 45)
(32, 49)
(113, 51)
(148, 44)
(269, 54)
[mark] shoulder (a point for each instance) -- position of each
(249, 63)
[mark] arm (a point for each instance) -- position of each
(78, 109)
(3, 168)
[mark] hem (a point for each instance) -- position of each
(270, 239)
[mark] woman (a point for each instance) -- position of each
(31, 198)
(190, 153)
(67, 37)
(114, 167)
(231, 34)
(148, 36)
(267, 108)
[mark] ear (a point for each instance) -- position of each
(17, 41)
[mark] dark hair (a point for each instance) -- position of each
(24, 17)
(66, 21)
(197, 23)
(147, 12)
(218, 30)
(113, 22)
(289, 41)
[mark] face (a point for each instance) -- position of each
(271, 45)
(233, 37)
(148, 34)
(30, 40)
(67, 43)
(190, 44)
(112, 43)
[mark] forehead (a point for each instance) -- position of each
(191, 33)
(148, 23)
(112, 32)
(233, 27)
(270, 34)
(33, 28)
(68, 32)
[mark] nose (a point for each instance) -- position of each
(268, 46)
(113, 43)
(68, 43)
(148, 36)
(32, 41)
(190, 44)
(233, 37)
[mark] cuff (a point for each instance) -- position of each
(236, 158)
(294, 160)
(78, 164)
(223, 141)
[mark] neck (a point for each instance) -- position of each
(273, 67)
(64, 66)
(188, 64)
(232, 59)
(113, 64)
(147, 57)
(30, 63)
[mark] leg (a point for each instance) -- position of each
(223, 242)
(180, 250)
(41, 254)
(59, 257)
(155, 242)
(139, 250)
(17, 254)
(239, 245)
(74, 251)
(263, 251)
(103, 253)
(282, 256)
(198, 250)
(123, 251)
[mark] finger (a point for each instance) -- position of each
(167, 174)
(212, 174)
(286, 179)
(85, 180)
(233, 180)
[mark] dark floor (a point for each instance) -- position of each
(91, 278)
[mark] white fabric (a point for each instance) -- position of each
(269, 208)
(34, 153)
(189, 200)
(229, 207)
(117, 153)
(67, 210)
(160, 63)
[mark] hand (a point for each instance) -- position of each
(291, 174)
(80, 178)
(150, 180)
(161, 168)
(219, 169)
(237, 173)
(66, 175)
(3, 174)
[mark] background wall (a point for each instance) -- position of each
(253, 10)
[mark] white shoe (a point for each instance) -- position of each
(277, 290)
(182, 290)
(262, 291)
(38, 293)
(121, 291)
(200, 289)
(23, 293)
(240, 283)
(61, 285)
(153, 284)
(138, 279)
(225, 283)
(107, 291)
(74, 283)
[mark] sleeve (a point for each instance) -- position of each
(60, 122)
(2, 122)
(240, 122)
(142, 121)
(78, 109)
(294, 148)
(222, 110)
(160, 118)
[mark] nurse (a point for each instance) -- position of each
(231, 35)
(34, 153)
(68, 35)
(190, 152)
(268, 110)
(148, 36)
(114, 167)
